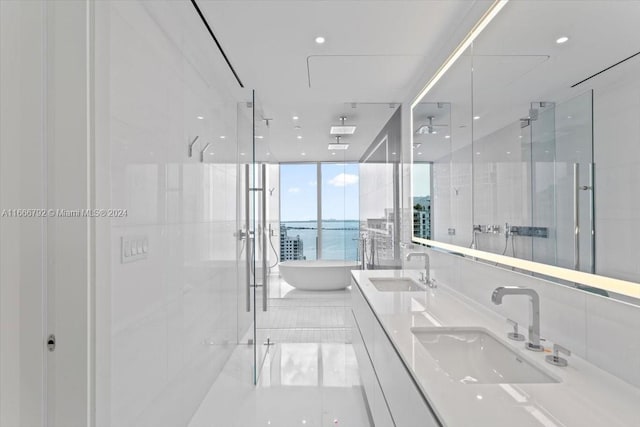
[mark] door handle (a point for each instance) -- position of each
(248, 256)
(265, 284)
(576, 216)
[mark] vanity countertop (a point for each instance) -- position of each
(584, 396)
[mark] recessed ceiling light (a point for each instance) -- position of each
(447, 136)
(476, 117)
(419, 154)
(259, 137)
(333, 154)
(299, 136)
(222, 137)
(478, 153)
(268, 154)
(508, 152)
(569, 117)
(562, 39)
(242, 154)
(211, 154)
(295, 117)
(320, 40)
(200, 118)
(303, 154)
(394, 153)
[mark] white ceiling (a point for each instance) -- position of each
(516, 61)
(373, 51)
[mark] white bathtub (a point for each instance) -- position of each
(318, 275)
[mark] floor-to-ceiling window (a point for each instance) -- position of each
(319, 211)
(340, 213)
(298, 211)
(422, 199)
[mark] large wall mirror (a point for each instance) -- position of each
(529, 145)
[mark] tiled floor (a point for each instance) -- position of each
(309, 376)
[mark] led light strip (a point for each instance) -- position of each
(622, 287)
(610, 284)
(491, 13)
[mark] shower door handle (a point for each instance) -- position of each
(249, 251)
(592, 214)
(576, 216)
(265, 284)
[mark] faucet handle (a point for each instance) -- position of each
(514, 335)
(555, 359)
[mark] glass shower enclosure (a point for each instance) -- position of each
(533, 186)
(252, 235)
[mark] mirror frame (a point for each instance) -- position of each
(618, 286)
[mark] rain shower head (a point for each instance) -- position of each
(337, 145)
(343, 129)
(429, 128)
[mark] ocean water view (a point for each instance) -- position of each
(339, 238)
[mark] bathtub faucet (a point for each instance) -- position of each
(426, 277)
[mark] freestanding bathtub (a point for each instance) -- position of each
(318, 275)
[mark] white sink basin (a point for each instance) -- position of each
(390, 284)
(475, 356)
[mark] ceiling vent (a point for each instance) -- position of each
(343, 129)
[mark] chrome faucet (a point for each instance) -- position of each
(534, 314)
(426, 276)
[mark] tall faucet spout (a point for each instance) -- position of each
(534, 312)
(427, 267)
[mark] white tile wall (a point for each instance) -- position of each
(617, 157)
(174, 318)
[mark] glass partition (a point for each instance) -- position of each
(379, 199)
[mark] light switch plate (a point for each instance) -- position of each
(133, 248)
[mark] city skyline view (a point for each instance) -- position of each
(339, 192)
(339, 198)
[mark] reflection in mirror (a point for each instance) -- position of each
(442, 197)
(552, 134)
(533, 149)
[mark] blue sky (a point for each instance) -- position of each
(298, 189)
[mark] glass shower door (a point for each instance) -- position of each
(542, 142)
(260, 192)
(252, 237)
(563, 176)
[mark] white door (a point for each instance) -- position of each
(45, 261)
